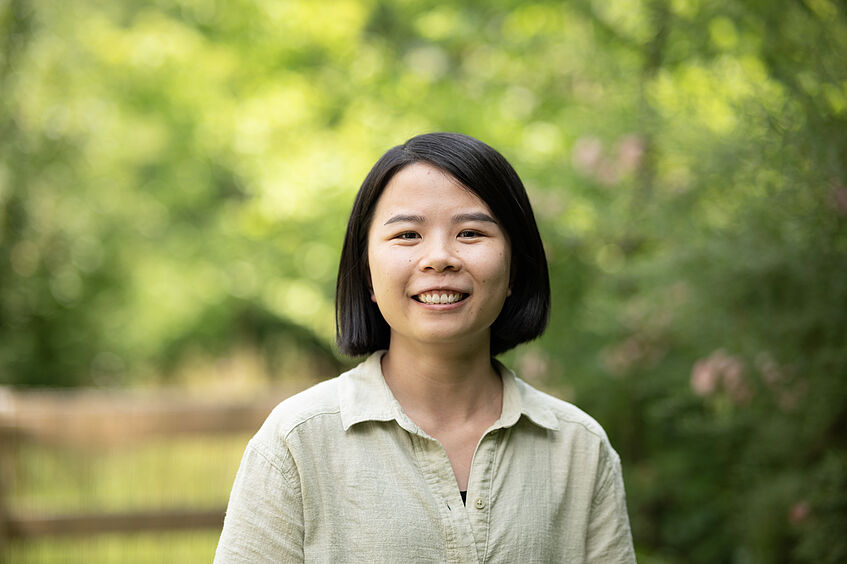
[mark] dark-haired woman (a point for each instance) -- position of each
(430, 450)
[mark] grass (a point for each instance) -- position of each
(140, 548)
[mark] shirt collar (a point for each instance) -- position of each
(364, 394)
(366, 397)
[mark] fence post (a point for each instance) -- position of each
(8, 446)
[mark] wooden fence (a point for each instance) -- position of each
(98, 418)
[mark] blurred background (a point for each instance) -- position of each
(175, 179)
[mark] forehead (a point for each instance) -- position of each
(421, 185)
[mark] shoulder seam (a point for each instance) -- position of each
(305, 420)
(600, 435)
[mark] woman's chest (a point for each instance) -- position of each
(395, 494)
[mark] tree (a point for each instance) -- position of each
(174, 178)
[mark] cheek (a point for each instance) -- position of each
(385, 275)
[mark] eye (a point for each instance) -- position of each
(407, 236)
(469, 234)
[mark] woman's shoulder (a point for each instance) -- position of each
(318, 409)
(569, 417)
(575, 431)
(320, 400)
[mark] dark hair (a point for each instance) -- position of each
(360, 327)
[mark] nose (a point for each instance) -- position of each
(439, 255)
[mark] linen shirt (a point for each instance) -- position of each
(339, 473)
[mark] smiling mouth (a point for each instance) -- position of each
(441, 298)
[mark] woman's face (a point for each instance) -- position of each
(439, 261)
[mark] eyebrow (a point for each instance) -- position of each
(459, 218)
(478, 216)
(405, 219)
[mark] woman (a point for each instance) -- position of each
(430, 450)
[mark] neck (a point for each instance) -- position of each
(439, 386)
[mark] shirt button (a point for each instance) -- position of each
(479, 503)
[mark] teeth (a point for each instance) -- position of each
(440, 298)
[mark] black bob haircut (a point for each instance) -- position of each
(360, 327)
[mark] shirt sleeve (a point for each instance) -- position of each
(609, 536)
(264, 518)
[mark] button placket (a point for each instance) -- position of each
(459, 538)
(481, 487)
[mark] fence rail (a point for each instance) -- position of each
(32, 526)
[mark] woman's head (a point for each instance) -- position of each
(361, 329)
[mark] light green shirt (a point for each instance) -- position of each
(339, 473)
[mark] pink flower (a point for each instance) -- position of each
(591, 158)
(587, 154)
(704, 379)
(720, 370)
(799, 512)
(630, 152)
(734, 382)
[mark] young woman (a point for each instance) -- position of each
(430, 450)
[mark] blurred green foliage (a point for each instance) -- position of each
(175, 177)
